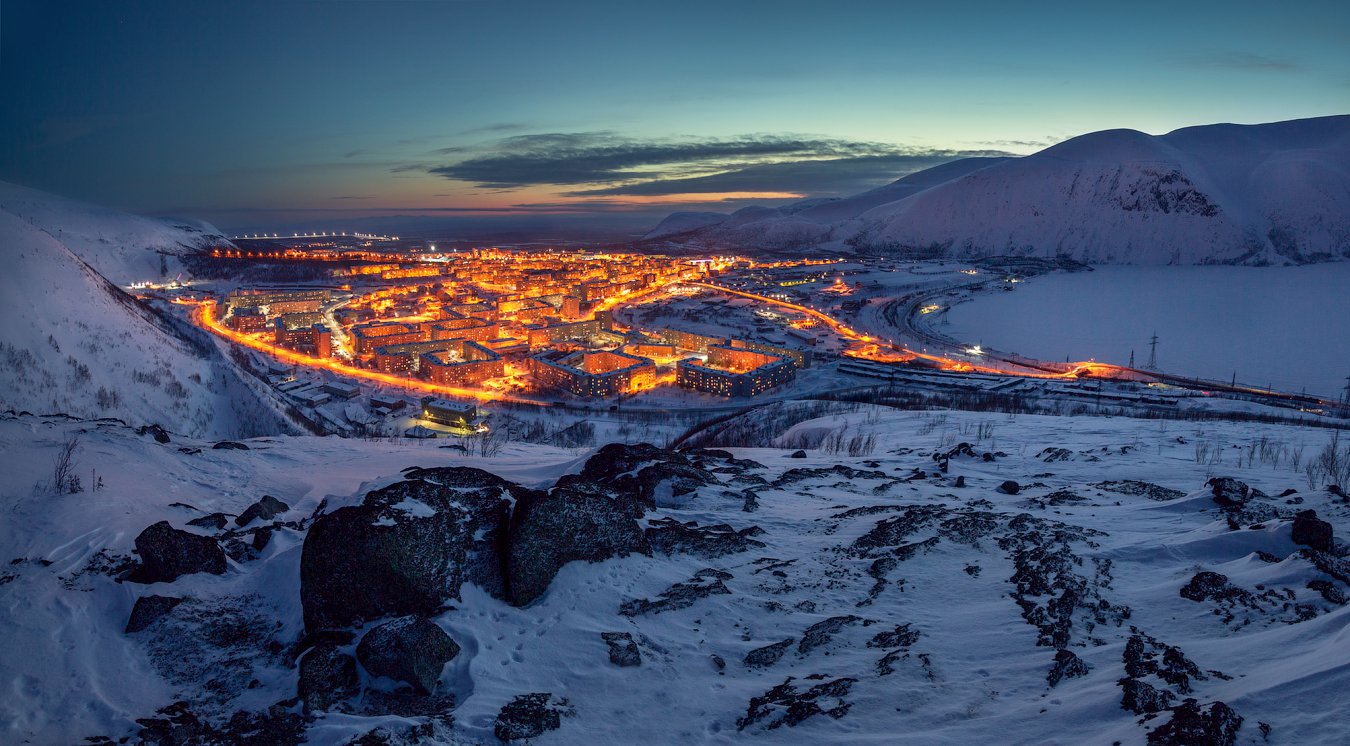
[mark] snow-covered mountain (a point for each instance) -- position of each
(72, 342)
(1235, 194)
(1080, 583)
(123, 248)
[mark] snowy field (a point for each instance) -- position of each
(1285, 327)
(909, 602)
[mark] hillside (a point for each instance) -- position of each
(123, 248)
(1219, 194)
(74, 343)
(403, 593)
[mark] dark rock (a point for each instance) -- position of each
(1144, 489)
(900, 637)
(148, 610)
(260, 539)
(639, 476)
(706, 582)
(1009, 487)
(1140, 697)
(527, 716)
(230, 445)
(785, 705)
(214, 520)
(1204, 585)
(407, 548)
(719, 662)
(960, 449)
(1288, 492)
(1192, 725)
(159, 433)
(1052, 454)
(411, 649)
(1335, 489)
(168, 553)
(670, 536)
(569, 524)
(960, 481)
(797, 454)
(623, 651)
(1067, 666)
(407, 703)
(1330, 591)
(1311, 531)
(822, 632)
(267, 508)
(767, 655)
(1231, 493)
(327, 677)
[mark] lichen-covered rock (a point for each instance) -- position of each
(168, 553)
(327, 677)
(768, 655)
(265, 509)
(412, 649)
(1192, 725)
(623, 651)
(1311, 531)
(407, 548)
(528, 716)
(148, 610)
(569, 524)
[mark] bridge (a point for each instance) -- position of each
(333, 234)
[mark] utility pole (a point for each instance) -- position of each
(1153, 352)
(1131, 358)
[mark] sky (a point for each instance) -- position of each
(275, 115)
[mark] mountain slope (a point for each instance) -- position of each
(72, 342)
(1232, 194)
(123, 248)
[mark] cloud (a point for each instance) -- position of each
(831, 177)
(581, 158)
(496, 128)
(354, 153)
(1242, 61)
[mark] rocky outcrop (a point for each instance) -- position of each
(265, 509)
(230, 445)
(623, 652)
(641, 476)
(1141, 697)
(670, 536)
(529, 716)
(168, 553)
(785, 705)
(706, 582)
(1205, 585)
(1193, 725)
(327, 677)
(413, 650)
(822, 632)
(148, 610)
(1067, 666)
(1311, 531)
(407, 548)
(582, 522)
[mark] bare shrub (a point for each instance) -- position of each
(64, 479)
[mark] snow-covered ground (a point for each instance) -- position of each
(1273, 326)
(899, 591)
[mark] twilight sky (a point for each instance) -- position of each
(259, 115)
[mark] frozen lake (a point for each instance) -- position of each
(1287, 327)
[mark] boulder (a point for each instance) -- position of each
(407, 548)
(640, 475)
(148, 610)
(230, 445)
(1311, 531)
(670, 536)
(168, 553)
(412, 649)
(155, 431)
(581, 522)
(213, 520)
(623, 651)
(327, 676)
(1231, 493)
(1141, 697)
(1203, 585)
(527, 716)
(1010, 487)
(266, 509)
(1067, 666)
(797, 454)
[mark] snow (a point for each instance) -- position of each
(1270, 325)
(69, 672)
